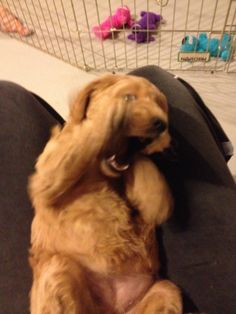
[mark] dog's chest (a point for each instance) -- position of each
(118, 235)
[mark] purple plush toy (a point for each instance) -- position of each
(140, 29)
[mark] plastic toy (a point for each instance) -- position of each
(140, 29)
(120, 19)
(9, 23)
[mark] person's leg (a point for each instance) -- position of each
(200, 240)
(26, 121)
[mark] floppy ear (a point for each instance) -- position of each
(162, 102)
(79, 107)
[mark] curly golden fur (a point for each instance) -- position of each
(93, 246)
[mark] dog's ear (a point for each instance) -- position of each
(162, 101)
(80, 105)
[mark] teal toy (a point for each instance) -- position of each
(189, 43)
(225, 47)
(208, 45)
(216, 48)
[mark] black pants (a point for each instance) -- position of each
(198, 243)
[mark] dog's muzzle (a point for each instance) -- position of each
(159, 126)
(120, 160)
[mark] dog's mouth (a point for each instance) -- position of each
(122, 156)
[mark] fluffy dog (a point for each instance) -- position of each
(97, 199)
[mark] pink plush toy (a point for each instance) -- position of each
(120, 19)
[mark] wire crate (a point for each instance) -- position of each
(63, 28)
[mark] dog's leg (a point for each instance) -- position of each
(162, 298)
(147, 190)
(60, 287)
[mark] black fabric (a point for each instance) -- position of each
(24, 130)
(199, 242)
(213, 124)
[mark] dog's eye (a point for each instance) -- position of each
(129, 97)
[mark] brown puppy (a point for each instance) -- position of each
(97, 200)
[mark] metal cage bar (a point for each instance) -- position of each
(64, 29)
(233, 23)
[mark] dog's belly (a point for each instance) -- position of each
(131, 289)
(120, 293)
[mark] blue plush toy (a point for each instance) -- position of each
(212, 45)
(225, 47)
(189, 44)
(206, 44)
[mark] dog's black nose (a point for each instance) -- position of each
(159, 125)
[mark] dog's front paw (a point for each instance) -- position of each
(162, 298)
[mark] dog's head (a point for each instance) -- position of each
(132, 113)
